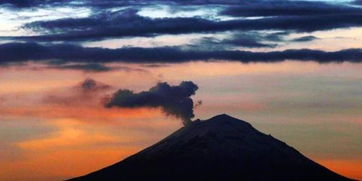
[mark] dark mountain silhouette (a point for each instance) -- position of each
(219, 149)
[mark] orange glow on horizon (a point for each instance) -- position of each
(349, 168)
(57, 133)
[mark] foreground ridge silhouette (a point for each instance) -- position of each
(222, 148)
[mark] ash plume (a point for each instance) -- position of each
(173, 100)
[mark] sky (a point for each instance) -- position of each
(87, 83)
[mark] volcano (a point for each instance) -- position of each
(222, 148)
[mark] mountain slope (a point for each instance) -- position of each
(221, 148)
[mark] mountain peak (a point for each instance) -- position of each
(222, 117)
(220, 148)
(226, 119)
(222, 125)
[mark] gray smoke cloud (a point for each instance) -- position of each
(87, 92)
(173, 100)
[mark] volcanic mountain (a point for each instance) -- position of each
(219, 149)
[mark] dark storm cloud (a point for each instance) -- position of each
(21, 4)
(277, 36)
(359, 2)
(32, 3)
(246, 41)
(95, 29)
(111, 3)
(289, 16)
(65, 53)
(289, 8)
(304, 39)
(173, 100)
(116, 3)
(249, 40)
(98, 5)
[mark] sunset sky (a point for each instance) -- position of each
(290, 68)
